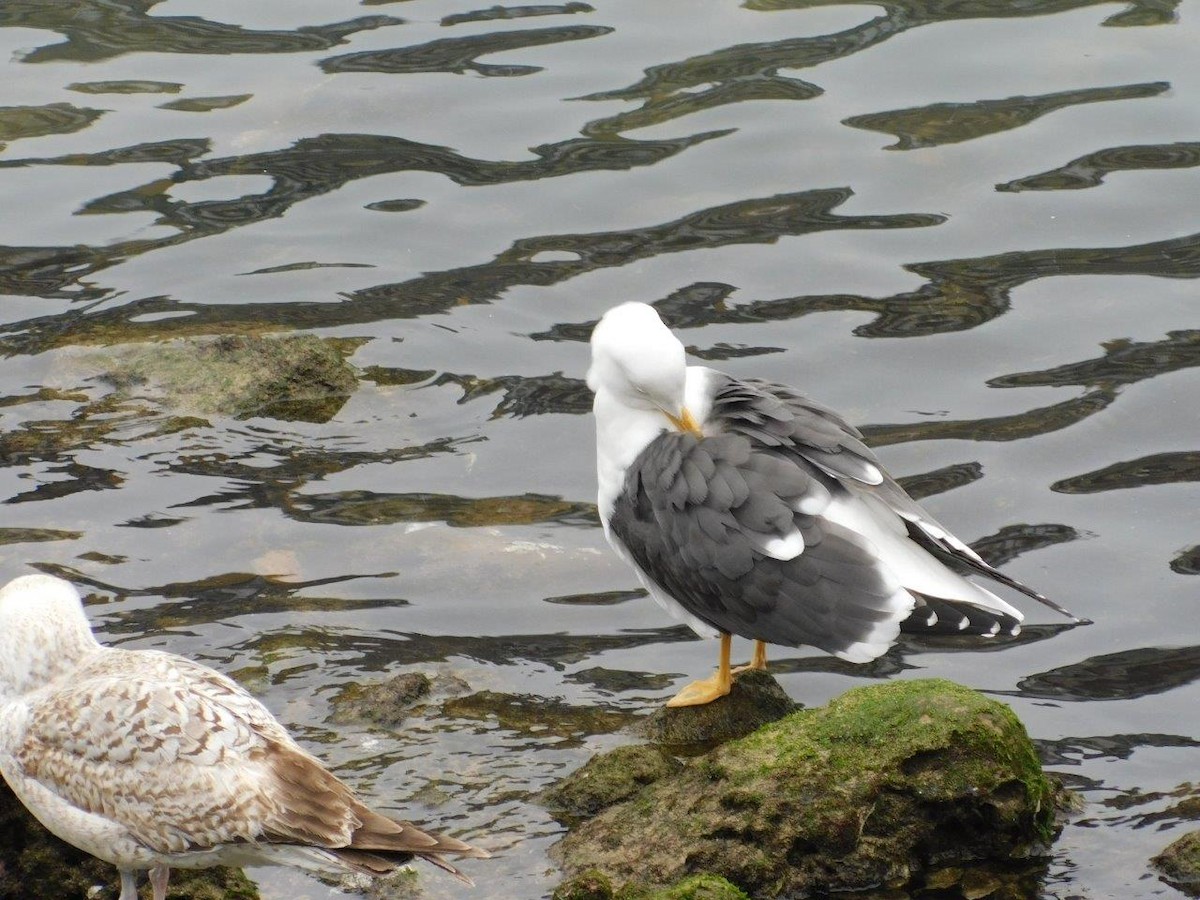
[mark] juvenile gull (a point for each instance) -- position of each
(148, 760)
(746, 508)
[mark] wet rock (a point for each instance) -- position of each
(756, 699)
(387, 703)
(882, 783)
(607, 779)
(35, 865)
(530, 714)
(1180, 864)
(294, 377)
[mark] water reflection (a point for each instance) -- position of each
(495, 13)
(1124, 362)
(1124, 675)
(18, 122)
(1157, 468)
(459, 54)
(953, 123)
(1090, 170)
(101, 29)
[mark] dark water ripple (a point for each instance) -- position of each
(953, 123)
(1124, 362)
(217, 598)
(36, 121)
(947, 478)
(1125, 675)
(101, 29)
(1072, 751)
(371, 653)
(375, 508)
(176, 151)
(1187, 562)
(1157, 468)
(1031, 423)
(735, 74)
(1012, 541)
(495, 13)
(755, 221)
(460, 54)
(1137, 13)
(1090, 170)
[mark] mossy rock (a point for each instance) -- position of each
(1180, 864)
(755, 699)
(607, 779)
(595, 885)
(697, 887)
(35, 865)
(866, 791)
(293, 377)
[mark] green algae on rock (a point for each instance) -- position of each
(35, 865)
(864, 792)
(1180, 863)
(607, 779)
(293, 377)
(595, 885)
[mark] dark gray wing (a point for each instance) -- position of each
(778, 416)
(695, 514)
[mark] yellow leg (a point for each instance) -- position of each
(757, 661)
(708, 689)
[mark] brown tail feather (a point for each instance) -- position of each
(382, 863)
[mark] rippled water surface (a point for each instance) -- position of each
(972, 226)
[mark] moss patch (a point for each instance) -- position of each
(869, 790)
(1180, 863)
(607, 779)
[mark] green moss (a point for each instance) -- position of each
(861, 792)
(1180, 863)
(589, 885)
(607, 779)
(697, 887)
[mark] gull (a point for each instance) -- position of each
(148, 760)
(746, 508)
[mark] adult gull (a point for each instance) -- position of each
(148, 760)
(746, 508)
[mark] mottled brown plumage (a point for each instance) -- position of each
(149, 760)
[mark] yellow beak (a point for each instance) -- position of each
(685, 422)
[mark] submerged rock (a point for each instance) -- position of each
(387, 703)
(755, 700)
(1180, 864)
(293, 377)
(868, 791)
(35, 865)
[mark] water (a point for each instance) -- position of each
(971, 227)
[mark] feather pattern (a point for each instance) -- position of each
(145, 759)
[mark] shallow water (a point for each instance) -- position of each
(969, 226)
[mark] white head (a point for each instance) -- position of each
(43, 632)
(637, 361)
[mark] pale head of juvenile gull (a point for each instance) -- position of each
(746, 508)
(148, 760)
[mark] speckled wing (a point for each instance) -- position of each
(184, 759)
(717, 523)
